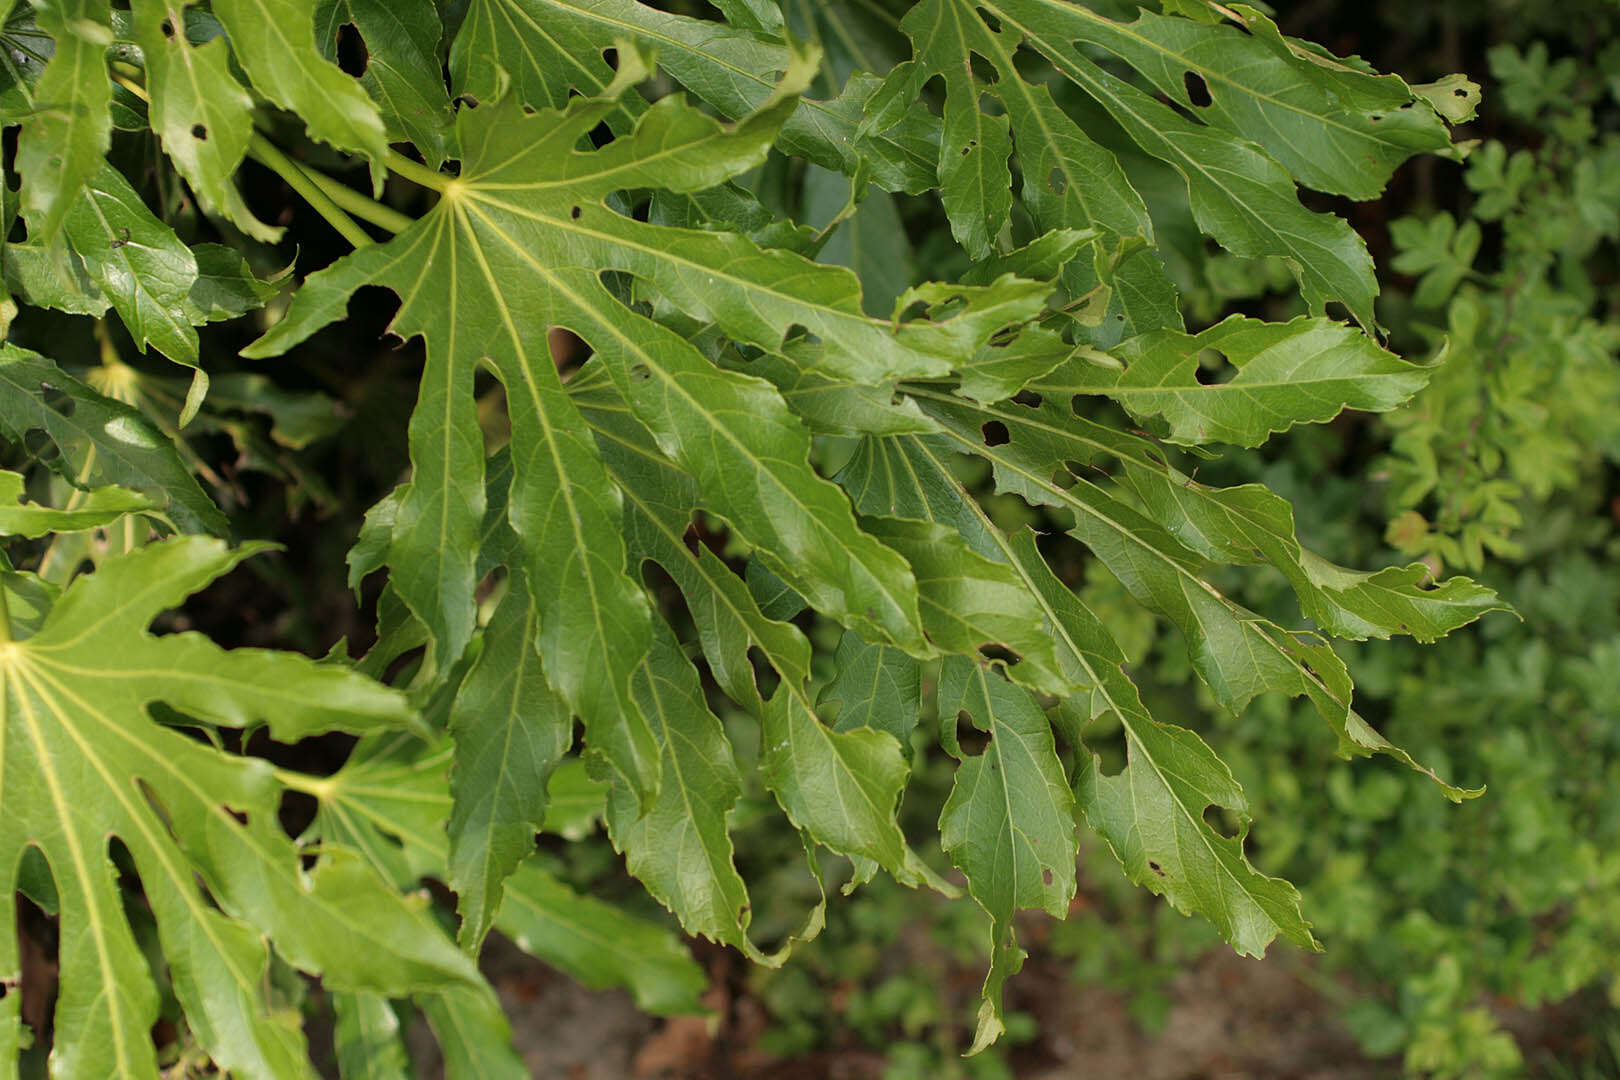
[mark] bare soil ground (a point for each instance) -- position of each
(1231, 1019)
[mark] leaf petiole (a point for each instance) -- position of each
(384, 217)
(416, 172)
(271, 157)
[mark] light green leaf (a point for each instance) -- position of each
(473, 1035)
(997, 372)
(598, 944)
(220, 886)
(830, 405)
(839, 788)
(526, 219)
(1151, 814)
(96, 508)
(142, 267)
(657, 513)
(759, 16)
(549, 47)
(1455, 97)
(975, 182)
(51, 276)
(1335, 128)
(1237, 653)
(972, 604)
(1069, 182)
(226, 287)
(367, 1038)
(1240, 195)
(1249, 524)
(393, 791)
(1220, 883)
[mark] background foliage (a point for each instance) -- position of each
(832, 444)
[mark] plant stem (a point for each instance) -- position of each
(416, 172)
(384, 217)
(339, 196)
(266, 153)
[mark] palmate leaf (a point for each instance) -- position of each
(524, 235)
(724, 342)
(82, 763)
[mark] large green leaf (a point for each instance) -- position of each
(1245, 525)
(1069, 181)
(1161, 837)
(82, 762)
(1335, 127)
(839, 786)
(527, 233)
(141, 266)
(658, 510)
(404, 74)
(681, 848)
(1240, 194)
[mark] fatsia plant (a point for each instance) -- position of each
(777, 414)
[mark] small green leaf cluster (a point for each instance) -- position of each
(662, 427)
(1527, 326)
